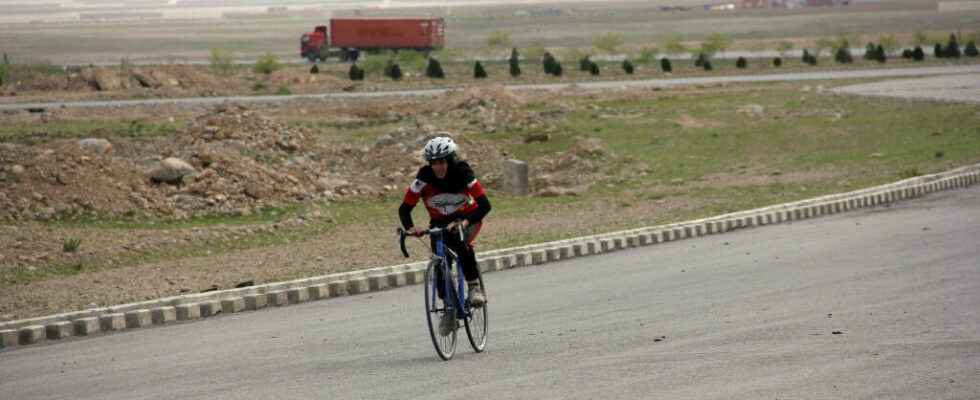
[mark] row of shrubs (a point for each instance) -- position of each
(552, 66)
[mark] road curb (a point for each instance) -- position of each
(165, 311)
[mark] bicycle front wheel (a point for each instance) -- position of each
(476, 322)
(439, 307)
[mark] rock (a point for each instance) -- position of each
(95, 145)
(752, 109)
(145, 80)
(537, 137)
(17, 170)
(171, 170)
(332, 184)
(106, 80)
(588, 147)
(255, 191)
(553, 191)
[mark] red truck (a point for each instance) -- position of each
(349, 36)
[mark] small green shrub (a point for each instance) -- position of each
(71, 245)
(222, 62)
(267, 64)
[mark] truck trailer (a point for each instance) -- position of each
(345, 38)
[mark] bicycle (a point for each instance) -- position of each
(444, 280)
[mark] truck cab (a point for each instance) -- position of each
(313, 45)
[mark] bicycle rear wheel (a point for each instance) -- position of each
(436, 308)
(476, 322)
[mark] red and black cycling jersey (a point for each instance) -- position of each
(458, 195)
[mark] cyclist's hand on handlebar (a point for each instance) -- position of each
(415, 231)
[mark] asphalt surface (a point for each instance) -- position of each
(802, 76)
(747, 315)
(961, 88)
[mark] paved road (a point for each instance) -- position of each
(962, 88)
(824, 75)
(745, 315)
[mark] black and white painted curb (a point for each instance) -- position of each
(192, 307)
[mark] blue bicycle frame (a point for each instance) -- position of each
(437, 234)
(447, 268)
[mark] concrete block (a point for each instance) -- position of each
(358, 285)
(507, 262)
(163, 315)
(537, 257)
(688, 231)
(86, 326)
(719, 227)
(653, 237)
(232, 305)
(8, 338)
(605, 245)
(210, 308)
(489, 264)
(30, 334)
(515, 177)
(302, 294)
(633, 241)
(188, 312)
(377, 282)
(398, 278)
(58, 330)
(112, 322)
(321, 291)
(256, 301)
(497, 264)
(277, 298)
(138, 319)
(522, 260)
(592, 247)
(619, 243)
(579, 250)
(552, 255)
(565, 252)
(679, 233)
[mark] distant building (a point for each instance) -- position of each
(728, 6)
(119, 16)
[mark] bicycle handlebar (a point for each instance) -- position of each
(402, 234)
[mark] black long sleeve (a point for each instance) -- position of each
(405, 214)
(482, 209)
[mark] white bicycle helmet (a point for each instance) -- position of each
(439, 148)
